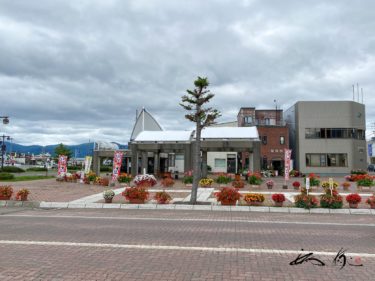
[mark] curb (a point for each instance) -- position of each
(261, 209)
(26, 204)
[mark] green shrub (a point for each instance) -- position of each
(331, 201)
(223, 179)
(255, 178)
(358, 172)
(12, 169)
(106, 169)
(6, 176)
(74, 168)
(187, 180)
(37, 169)
(305, 201)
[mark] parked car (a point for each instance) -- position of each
(371, 168)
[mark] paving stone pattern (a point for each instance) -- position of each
(181, 228)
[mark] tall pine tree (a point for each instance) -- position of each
(194, 102)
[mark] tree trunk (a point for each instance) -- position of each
(196, 165)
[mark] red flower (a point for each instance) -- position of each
(228, 193)
(296, 184)
(353, 198)
(138, 192)
(278, 197)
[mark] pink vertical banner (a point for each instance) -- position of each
(62, 165)
(287, 157)
(117, 161)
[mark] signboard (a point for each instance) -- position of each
(307, 185)
(369, 149)
(330, 181)
(287, 156)
(88, 160)
(117, 161)
(62, 165)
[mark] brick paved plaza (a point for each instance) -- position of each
(52, 191)
(180, 245)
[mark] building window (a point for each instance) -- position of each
(267, 121)
(334, 133)
(264, 140)
(171, 159)
(248, 120)
(326, 160)
(220, 163)
(282, 140)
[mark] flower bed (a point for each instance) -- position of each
(6, 192)
(167, 182)
(138, 194)
(124, 178)
(22, 194)
(206, 182)
(162, 197)
(314, 179)
(270, 183)
(227, 196)
(254, 178)
(305, 201)
(145, 180)
(251, 198)
(223, 179)
(333, 201)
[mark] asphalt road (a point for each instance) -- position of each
(183, 245)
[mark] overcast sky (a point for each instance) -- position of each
(73, 71)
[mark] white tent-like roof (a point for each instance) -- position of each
(145, 122)
(164, 136)
(210, 133)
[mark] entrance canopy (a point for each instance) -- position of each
(149, 146)
(164, 137)
(208, 134)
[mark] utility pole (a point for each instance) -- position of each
(3, 149)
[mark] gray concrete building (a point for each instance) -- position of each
(327, 137)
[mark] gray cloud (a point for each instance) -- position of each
(77, 70)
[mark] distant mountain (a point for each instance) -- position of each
(78, 151)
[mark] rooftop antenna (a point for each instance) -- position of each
(353, 92)
(357, 92)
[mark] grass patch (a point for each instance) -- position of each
(36, 169)
(29, 178)
(11, 169)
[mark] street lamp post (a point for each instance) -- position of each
(3, 149)
(5, 119)
(3, 146)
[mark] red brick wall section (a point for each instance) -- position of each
(273, 149)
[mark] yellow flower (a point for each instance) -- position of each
(254, 197)
(206, 182)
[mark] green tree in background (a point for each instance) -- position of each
(62, 150)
